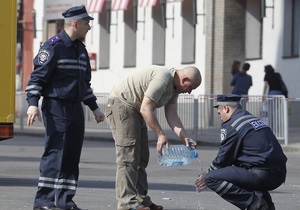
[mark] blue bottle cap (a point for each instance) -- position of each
(195, 153)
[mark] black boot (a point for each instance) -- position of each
(258, 204)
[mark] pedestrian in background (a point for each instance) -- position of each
(242, 81)
(62, 75)
(250, 161)
(235, 69)
(129, 110)
(272, 82)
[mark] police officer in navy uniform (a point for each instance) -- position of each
(250, 161)
(62, 75)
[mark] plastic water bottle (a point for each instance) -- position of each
(177, 155)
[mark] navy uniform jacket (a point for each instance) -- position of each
(61, 71)
(247, 141)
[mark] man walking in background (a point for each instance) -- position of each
(242, 81)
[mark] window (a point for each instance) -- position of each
(104, 20)
(130, 35)
(291, 28)
(253, 33)
(159, 34)
(188, 32)
(54, 27)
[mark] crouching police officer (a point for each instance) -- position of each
(250, 161)
(62, 75)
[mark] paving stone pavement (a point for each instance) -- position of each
(172, 187)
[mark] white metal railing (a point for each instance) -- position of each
(197, 114)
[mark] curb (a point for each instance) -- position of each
(107, 137)
(291, 148)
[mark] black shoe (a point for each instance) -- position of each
(75, 208)
(272, 207)
(258, 204)
(156, 207)
(46, 208)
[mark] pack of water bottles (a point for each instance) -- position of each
(177, 155)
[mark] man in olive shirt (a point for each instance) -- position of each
(129, 110)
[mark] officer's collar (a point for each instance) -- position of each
(65, 38)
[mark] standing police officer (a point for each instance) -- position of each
(62, 75)
(250, 161)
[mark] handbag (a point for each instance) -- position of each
(283, 88)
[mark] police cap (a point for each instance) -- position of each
(76, 13)
(227, 99)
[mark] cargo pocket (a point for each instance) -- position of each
(125, 142)
(126, 151)
(110, 119)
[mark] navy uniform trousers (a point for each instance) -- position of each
(59, 170)
(239, 185)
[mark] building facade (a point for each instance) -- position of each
(209, 34)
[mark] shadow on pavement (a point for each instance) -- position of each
(96, 184)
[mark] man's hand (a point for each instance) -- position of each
(32, 112)
(200, 182)
(99, 116)
(161, 140)
(190, 143)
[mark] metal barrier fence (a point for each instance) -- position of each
(197, 114)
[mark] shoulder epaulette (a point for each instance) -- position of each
(53, 40)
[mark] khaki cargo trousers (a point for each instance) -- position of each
(129, 131)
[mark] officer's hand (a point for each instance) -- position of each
(161, 141)
(200, 182)
(32, 112)
(99, 116)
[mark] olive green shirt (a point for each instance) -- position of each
(155, 82)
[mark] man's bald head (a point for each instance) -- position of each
(187, 79)
(193, 74)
